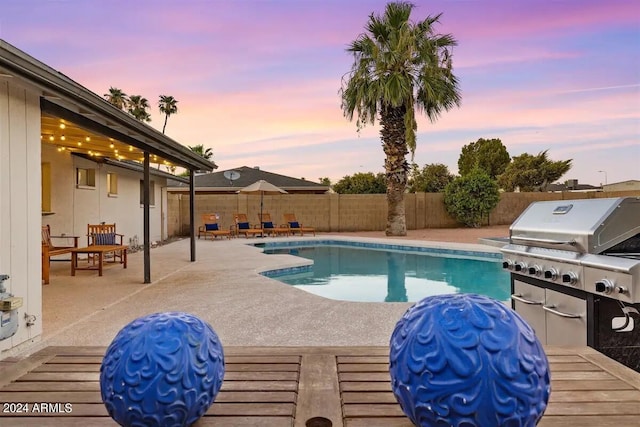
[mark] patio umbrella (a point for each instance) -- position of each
(261, 187)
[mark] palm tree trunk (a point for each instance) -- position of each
(166, 117)
(396, 167)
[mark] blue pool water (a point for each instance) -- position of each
(368, 274)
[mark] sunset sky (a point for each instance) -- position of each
(258, 81)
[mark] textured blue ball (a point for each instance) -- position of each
(468, 360)
(164, 369)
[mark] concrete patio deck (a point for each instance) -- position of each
(224, 288)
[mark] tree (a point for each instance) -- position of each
(433, 178)
(199, 149)
(117, 97)
(361, 183)
(399, 66)
(138, 107)
(325, 181)
(532, 173)
(471, 197)
(168, 106)
(490, 155)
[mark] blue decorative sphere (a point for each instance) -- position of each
(164, 369)
(468, 360)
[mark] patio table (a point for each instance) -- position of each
(99, 251)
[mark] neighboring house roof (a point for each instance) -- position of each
(135, 166)
(69, 100)
(217, 182)
(575, 187)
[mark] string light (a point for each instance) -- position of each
(62, 126)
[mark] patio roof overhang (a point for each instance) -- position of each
(65, 99)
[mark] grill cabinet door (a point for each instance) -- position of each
(563, 330)
(532, 313)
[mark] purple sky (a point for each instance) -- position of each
(258, 81)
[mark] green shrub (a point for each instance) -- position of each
(470, 198)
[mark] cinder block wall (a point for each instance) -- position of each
(350, 212)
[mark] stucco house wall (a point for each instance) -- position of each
(74, 207)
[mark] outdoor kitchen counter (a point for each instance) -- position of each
(286, 386)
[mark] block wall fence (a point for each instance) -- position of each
(351, 212)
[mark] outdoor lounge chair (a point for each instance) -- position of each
(270, 228)
(210, 227)
(242, 226)
(49, 250)
(105, 235)
(297, 227)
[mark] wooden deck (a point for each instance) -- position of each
(286, 386)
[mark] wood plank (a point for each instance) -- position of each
(363, 367)
(231, 359)
(365, 376)
(260, 421)
(582, 375)
(228, 385)
(51, 421)
(76, 359)
(585, 384)
(593, 408)
(590, 421)
(595, 396)
(364, 386)
(577, 367)
(66, 367)
(318, 390)
(565, 359)
(378, 422)
(262, 367)
(60, 376)
(262, 376)
(368, 397)
(372, 410)
(363, 359)
(252, 409)
(52, 386)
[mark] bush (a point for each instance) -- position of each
(471, 197)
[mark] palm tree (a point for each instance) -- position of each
(167, 105)
(116, 97)
(199, 149)
(138, 108)
(399, 66)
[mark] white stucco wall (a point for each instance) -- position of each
(74, 207)
(20, 204)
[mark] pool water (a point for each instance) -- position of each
(373, 275)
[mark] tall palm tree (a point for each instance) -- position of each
(117, 97)
(399, 66)
(137, 107)
(168, 106)
(199, 149)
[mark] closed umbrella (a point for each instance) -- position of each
(261, 187)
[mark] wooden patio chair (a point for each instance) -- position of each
(49, 250)
(295, 226)
(242, 226)
(210, 227)
(270, 228)
(105, 235)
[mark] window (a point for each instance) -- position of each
(85, 178)
(112, 184)
(152, 193)
(46, 186)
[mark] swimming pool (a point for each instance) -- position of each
(355, 271)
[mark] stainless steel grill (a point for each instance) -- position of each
(575, 273)
(592, 245)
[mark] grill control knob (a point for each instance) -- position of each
(535, 270)
(551, 274)
(521, 266)
(605, 286)
(507, 264)
(570, 278)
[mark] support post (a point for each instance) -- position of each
(146, 215)
(192, 213)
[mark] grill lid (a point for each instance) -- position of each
(586, 226)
